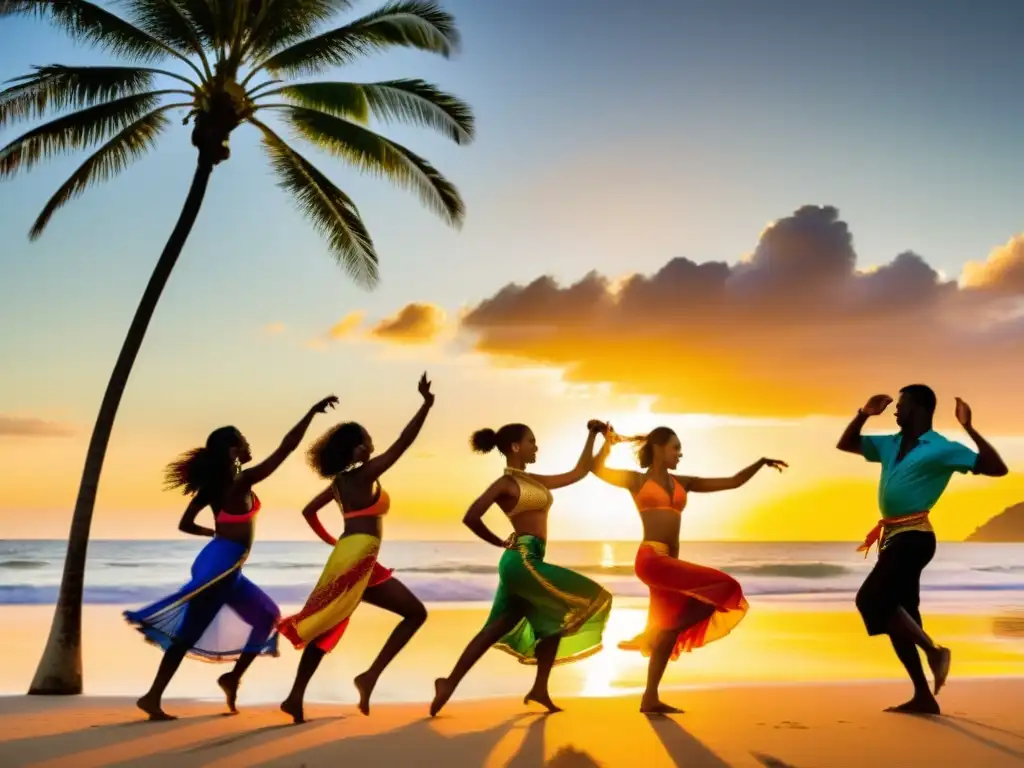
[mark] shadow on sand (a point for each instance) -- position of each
(683, 747)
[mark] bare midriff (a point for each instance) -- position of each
(662, 525)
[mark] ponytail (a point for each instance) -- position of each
(191, 472)
(204, 468)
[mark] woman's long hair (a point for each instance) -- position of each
(645, 443)
(206, 469)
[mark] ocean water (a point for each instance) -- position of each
(986, 578)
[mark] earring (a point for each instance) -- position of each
(238, 466)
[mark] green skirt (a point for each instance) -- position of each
(557, 601)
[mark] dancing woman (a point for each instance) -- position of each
(691, 605)
(192, 621)
(352, 574)
(542, 614)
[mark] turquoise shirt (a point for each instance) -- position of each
(915, 483)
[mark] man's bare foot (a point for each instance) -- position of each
(365, 684)
(543, 698)
(151, 706)
(919, 705)
(293, 709)
(939, 660)
(656, 706)
(229, 684)
(443, 690)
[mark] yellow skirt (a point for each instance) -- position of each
(337, 593)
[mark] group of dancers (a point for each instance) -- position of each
(542, 614)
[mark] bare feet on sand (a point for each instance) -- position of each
(365, 684)
(443, 691)
(543, 698)
(656, 706)
(229, 684)
(151, 706)
(293, 709)
(921, 704)
(939, 661)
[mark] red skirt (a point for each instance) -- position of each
(678, 587)
(328, 640)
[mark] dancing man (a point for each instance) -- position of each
(542, 614)
(691, 605)
(352, 574)
(917, 464)
(219, 615)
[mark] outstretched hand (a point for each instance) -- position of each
(323, 405)
(876, 405)
(775, 464)
(424, 389)
(963, 413)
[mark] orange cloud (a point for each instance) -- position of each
(415, 323)
(347, 326)
(28, 426)
(1003, 271)
(274, 329)
(793, 330)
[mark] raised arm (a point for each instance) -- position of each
(378, 465)
(473, 519)
(583, 465)
(291, 441)
(623, 478)
(309, 512)
(188, 519)
(988, 461)
(851, 440)
(713, 484)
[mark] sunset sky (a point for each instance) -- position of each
(736, 220)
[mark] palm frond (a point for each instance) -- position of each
(278, 23)
(203, 16)
(405, 23)
(86, 22)
(413, 102)
(108, 161)
(56, 87)
(376, 154)
(75, 131)
(329, 209)
(167, 22)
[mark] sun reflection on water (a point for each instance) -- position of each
(607, 673)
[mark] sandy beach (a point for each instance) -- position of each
(819, 726)
(793, 687)
(774, 644)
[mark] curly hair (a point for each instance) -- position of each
(206, 468)
(334, 451)
(486, 440)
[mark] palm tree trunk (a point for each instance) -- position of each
(60, 670)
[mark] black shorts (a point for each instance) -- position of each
(895, 581)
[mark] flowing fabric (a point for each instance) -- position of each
(218, 615)
(678, 588)
(557, 602)
(351, 568)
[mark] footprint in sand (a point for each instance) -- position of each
(791, 725)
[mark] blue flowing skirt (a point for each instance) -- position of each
(218, 615)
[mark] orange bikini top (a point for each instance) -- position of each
(380, 506)
(653, 496)
(245, 517)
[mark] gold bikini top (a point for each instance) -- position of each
(533, 497)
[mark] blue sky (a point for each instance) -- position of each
(612, 136)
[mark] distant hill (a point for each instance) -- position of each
(1007, 526)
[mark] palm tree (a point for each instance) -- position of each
(236, 60)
